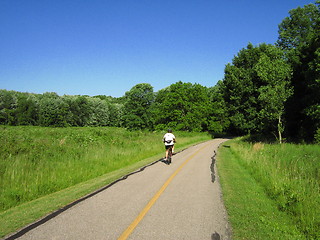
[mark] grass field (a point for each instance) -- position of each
(271, 191)
(42, 169)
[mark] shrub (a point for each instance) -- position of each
(317, 136)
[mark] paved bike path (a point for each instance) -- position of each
(189, 207)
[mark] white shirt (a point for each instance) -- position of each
(168, 139)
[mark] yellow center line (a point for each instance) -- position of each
(134, 224)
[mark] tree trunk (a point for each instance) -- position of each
(280, 129)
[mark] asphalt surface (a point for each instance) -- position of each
(178, 201)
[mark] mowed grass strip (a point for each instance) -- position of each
(43, 169)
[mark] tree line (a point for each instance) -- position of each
(276, 88)
(181, 106)
(266, 89)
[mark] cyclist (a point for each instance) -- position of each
(169, 139)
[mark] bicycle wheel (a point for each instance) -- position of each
(169, 155)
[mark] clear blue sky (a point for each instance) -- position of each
(93, 47)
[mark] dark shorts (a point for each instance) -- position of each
(168, 146)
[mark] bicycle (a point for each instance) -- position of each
(169, 155)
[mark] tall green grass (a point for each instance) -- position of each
(289, 175)
(37, 161)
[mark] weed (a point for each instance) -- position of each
(289, 175)
(37, 161)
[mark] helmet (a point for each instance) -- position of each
(169, 131)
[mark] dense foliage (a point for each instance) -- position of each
(299, 37)
(276, 88)
(271, 89)
(181, 106)
(49, 109)
(255, 88)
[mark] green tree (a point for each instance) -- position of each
(116, 114)
(299, 36)
(27, 111)
(299, 29)
(240, 91)
(218, 119)
(137, 107)
(78, 110)
(275, 72)
(182, 106)
(8, 105)
(99, 112)
(53, 110)
(116, 109)
(255, 89)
